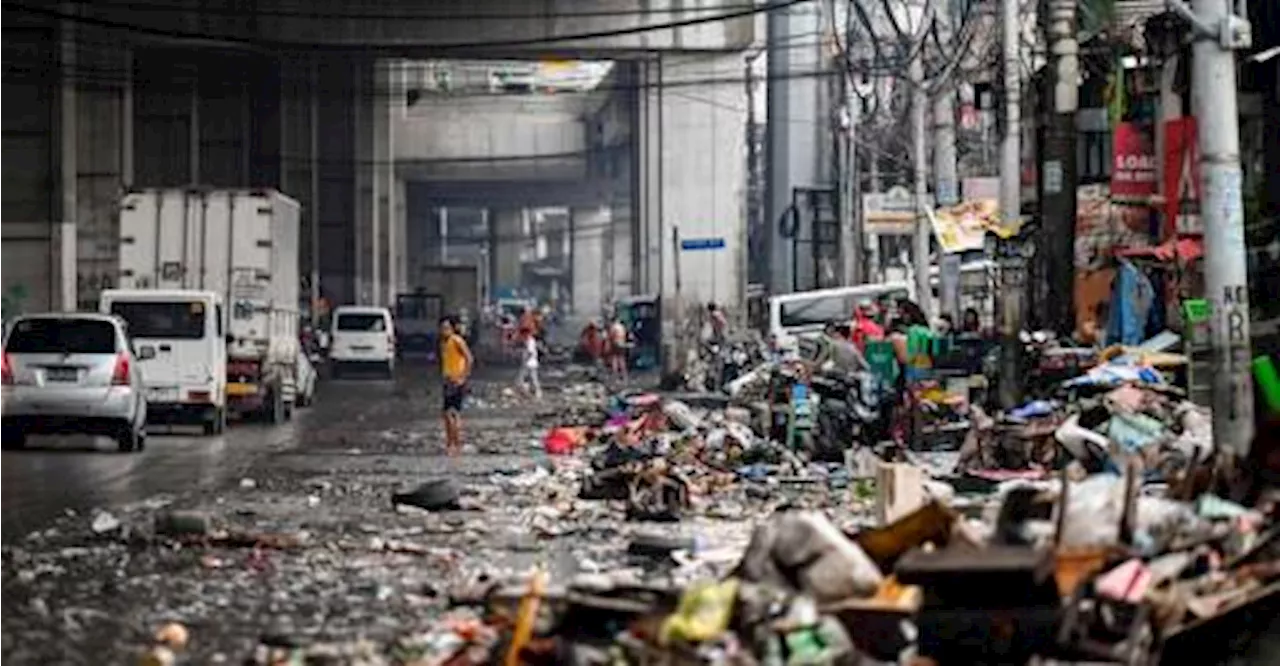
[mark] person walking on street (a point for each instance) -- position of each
(618, 349)
(456, 364)
(591, 341)
(719, 323)
(529, 365)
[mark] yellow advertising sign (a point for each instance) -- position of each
(962, 227)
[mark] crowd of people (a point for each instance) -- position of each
(902, 348)
(607, 346)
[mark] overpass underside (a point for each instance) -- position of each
(92, 110)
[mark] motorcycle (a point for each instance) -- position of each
(851, 412)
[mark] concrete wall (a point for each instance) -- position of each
(692, 170)
(493, 137)
(589, 270)
(89, 116)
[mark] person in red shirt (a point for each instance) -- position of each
(592, 341)
(864, 328)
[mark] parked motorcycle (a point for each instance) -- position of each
(851, 412)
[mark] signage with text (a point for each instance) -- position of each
(1133, 170)
(1181, 178)
(693, 244)
(892, 212)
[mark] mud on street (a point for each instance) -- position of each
(335, 567)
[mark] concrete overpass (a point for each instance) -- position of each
(114, 95)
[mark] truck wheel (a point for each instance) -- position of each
(127, 439)
(276, 413)
(216, 423)
(13, 438)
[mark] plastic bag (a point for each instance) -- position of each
(1093, 510)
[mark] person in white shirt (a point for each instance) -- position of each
(529, 365)
(618, 349)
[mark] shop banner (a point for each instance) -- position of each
(962, 227)
(1181, 178)
(1133, 172)
(1103, 228)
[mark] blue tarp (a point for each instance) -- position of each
(1132, 298)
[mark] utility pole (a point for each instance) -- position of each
(1011, 300)
(850, 230)
(946, 178)
(920, 98)
(1218, 33)
(1058, 172)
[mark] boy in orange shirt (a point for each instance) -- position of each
(455, 365)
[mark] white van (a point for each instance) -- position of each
(180, 341)
(363, 336)
(807, 313)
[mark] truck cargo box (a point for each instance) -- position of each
(241, 243)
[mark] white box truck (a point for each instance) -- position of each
(243, 244)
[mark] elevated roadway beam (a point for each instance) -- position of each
(443, 28)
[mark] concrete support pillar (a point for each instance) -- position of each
(618, 249)
(700, 187)
(102, 156)
(399, 242)
(591, 259)
(392, 205)
(646, 252)
(506, 239)
(299, 114)
(795, 127)
(63, 241)
(362, 223)
(126, 118)
(381, 181)
(337, 164)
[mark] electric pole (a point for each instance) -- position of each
(1218, 33)
(850, 189)
(850, 229)
(946, 178)
(920, 258)
(1058, 172)
(1011, 300)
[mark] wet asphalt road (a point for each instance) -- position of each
(54, 475)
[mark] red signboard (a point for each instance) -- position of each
(1181, 178)
(1133, 172)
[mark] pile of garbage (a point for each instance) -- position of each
(1089, 570)
(1086, 515)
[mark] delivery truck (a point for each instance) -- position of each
(242, 244)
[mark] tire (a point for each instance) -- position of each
(288, 410)
(390, 371)
(217, 423)
(335, 370)
(13, 438)
(276, 409)
(128, 439)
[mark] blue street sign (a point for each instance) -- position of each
(702, 244)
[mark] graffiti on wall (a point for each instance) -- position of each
(89, 288)
(13, 301)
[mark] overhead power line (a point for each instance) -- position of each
(283, 45)
(472, 15)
